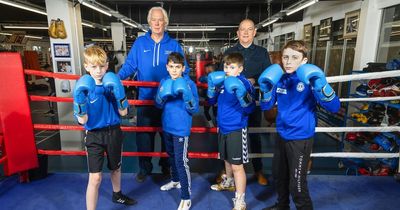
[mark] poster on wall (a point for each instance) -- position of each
(325, 29)
(62, 51)
(351, 23)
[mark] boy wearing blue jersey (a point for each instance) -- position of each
(99, 101)
(297, 90)
(177, 97)
(236, 100)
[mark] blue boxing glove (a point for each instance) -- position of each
(83, 87)
(164, 91)
(179, 87)
(215, 80)
(112, 82)
(268, 79)
(312, 74)
(234, 86)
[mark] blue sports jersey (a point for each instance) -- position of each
(149, 59)
(102, 109)
(176, 119)
(296, 118)
(231, 116)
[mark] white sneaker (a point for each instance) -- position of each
(239, 203)
(185, 205)
(226, 184)
(170, 185)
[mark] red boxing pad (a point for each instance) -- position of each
(15, 117)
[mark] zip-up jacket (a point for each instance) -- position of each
(149, 59)
(296, 118)
(231, 115)
(176, 119)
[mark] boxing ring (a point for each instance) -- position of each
(17, 143)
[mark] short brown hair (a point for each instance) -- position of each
(234, 58)
(297, 45)
(95, 55)
(176, 57)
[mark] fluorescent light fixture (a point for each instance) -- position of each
(33, 37)
(94, 7)
(104, 29)
(5, 34)
(21, 6)
(27, 36)
(102, 40)
(27, 27)
(195, 40)
(129, 23)
(88, 25)
(300, 7)
(270, 22)
(191, 29)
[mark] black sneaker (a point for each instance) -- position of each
(122, 199)
(276, 207)
(140, 177)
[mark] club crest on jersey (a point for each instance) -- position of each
(300, 87)
(281, 91)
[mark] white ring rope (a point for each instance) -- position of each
(332, 129)
(337, 155)
(364, 76)
(390, 98)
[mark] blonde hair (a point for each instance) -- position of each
(166, 18)
(95, 55)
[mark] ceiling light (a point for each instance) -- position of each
(21, 6)
(191, 29)
(33, 37)
(88, 25)
(94, 7)
(129, 23)
(195, 40)
(270, 22)
(5, 34)
(26, 27)
(102, 40)
(104, 29)
(300, 7)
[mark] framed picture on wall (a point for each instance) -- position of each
(351, 22)
(64, 66)
(307, 33)
(62, 51)
(325, 29)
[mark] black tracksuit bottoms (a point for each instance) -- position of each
(289, 170)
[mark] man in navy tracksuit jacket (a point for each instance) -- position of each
(148, 59)
(177, 97)
(297, 90)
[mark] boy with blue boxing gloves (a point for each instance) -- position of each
(178, 98)
(99, 101)
(297, 89)
(236, 100)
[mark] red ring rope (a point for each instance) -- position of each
(123, 128)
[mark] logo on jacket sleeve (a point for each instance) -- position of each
(300, 87)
